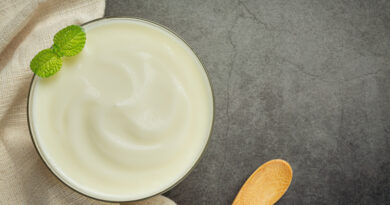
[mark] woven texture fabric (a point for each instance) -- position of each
(27, 27)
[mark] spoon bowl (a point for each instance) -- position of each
(266, 185)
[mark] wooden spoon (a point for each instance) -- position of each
(266, 185)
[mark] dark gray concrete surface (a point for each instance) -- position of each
(303, 80)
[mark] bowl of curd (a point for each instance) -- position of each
(128, 117)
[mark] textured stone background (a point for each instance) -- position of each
(303, 80)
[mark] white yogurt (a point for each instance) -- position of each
(126, 118)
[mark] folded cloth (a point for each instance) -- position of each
(26, 27)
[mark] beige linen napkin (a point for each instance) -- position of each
(27, 27)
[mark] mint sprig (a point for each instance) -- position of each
(67, 42)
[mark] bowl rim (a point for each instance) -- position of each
(47, 164)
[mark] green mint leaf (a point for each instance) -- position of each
(69, 41)
(46, 63)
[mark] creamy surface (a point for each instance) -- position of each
(127, 117)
